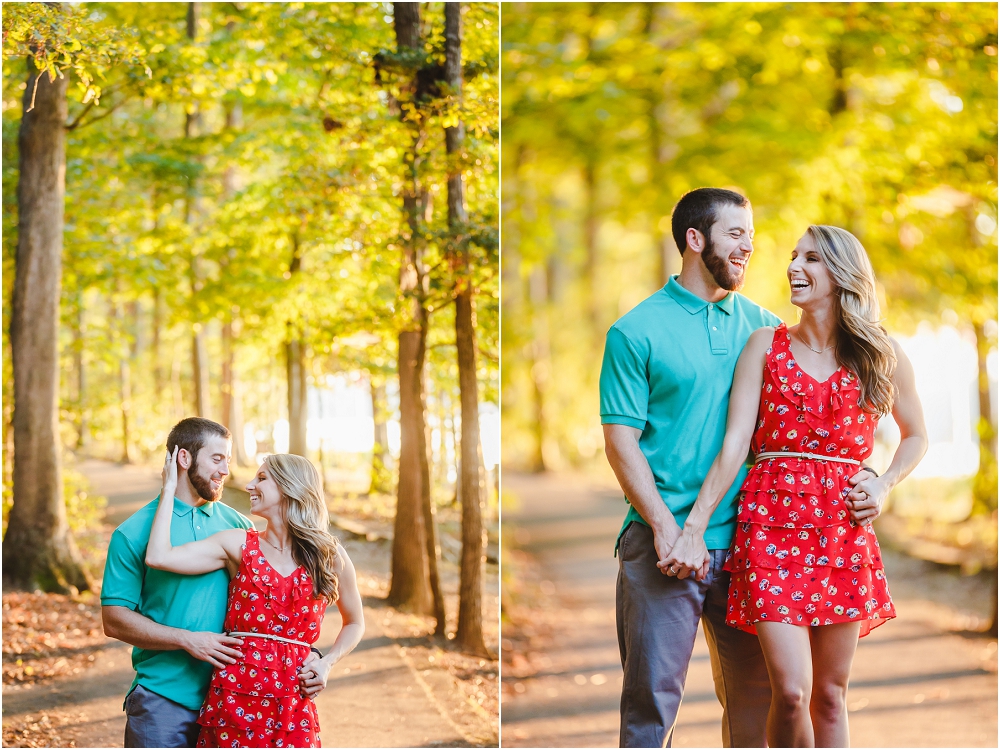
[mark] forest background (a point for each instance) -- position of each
(267, 208)
(880, 118)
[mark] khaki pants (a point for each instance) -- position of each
(658, 619)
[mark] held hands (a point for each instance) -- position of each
(664, 539)
(312, 675)
(866, 499)
(218, 649)
(169, 474)
(688, 557)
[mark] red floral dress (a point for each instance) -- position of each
(256, 702)
(797, 556)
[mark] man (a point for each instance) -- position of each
(665, 381)
(174, 621)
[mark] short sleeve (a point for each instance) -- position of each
(123, 574)
(624, 383)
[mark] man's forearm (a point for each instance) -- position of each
(636, 480)
(138, 630)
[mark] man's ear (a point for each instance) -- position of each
(183, 459)
(695, 240)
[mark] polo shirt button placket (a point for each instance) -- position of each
(716, 338)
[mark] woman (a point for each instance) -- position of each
(282, 580)
(806, 572)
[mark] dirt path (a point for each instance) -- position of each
(399, 688)
(917, 681)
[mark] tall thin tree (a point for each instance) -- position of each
(199, 355)
(295, 367)
(409, 588)
(469, 636)
(38, 549)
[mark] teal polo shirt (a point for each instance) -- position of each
(195, 603)
(668, 369)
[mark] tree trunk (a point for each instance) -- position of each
(231, 416)
(411, 587)
(667, 256)
(296, 372)
(199, 358)
(124, 375)
(985, 483)
(298, 403)
(159, 313)
(176, 390)
(199, 361)
(591, 225)
(469, 636)
(381, 477)
(38, 550)
(429, 511)
(540, 363)
(79, 344)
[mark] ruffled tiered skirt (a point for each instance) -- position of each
(797, 557)
(256, 702)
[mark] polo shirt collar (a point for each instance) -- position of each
(182, 509)
(692, 302)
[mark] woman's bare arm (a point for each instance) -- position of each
(909, 416)
(202, 556)
(314, 674)
(690, 554)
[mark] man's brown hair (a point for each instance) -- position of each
(191, 434)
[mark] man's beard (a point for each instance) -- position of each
(202, 485)
(720, 269)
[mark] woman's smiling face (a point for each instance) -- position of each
(264, 493)
(808, 276)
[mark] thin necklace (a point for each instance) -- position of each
(818, 351)
(280, 549)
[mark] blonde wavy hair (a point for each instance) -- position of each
(307, 520)
(863, 346)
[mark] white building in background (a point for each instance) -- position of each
(945, 367)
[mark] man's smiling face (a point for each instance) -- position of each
(729, 246)
(211, 467)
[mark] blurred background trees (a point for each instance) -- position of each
(235, 234)
(878, 118)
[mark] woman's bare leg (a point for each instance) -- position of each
(789, 665)
(833, 648)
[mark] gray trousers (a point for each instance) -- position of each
(155, 721)
(657, 623)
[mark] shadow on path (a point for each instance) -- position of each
(915, 682)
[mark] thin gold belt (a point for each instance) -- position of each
(238, 634)
(814, 456)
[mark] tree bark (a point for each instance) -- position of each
(79, 344)
(540, 363)
(411, 587)
(430, 513)
(469, 636)
(119, 321)
(298, 403)
(199, 360)
(159, 313)
(296, 371)
(38, 550)
(199, 357)
(985, 482)
(661, 150)
(231, 415)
